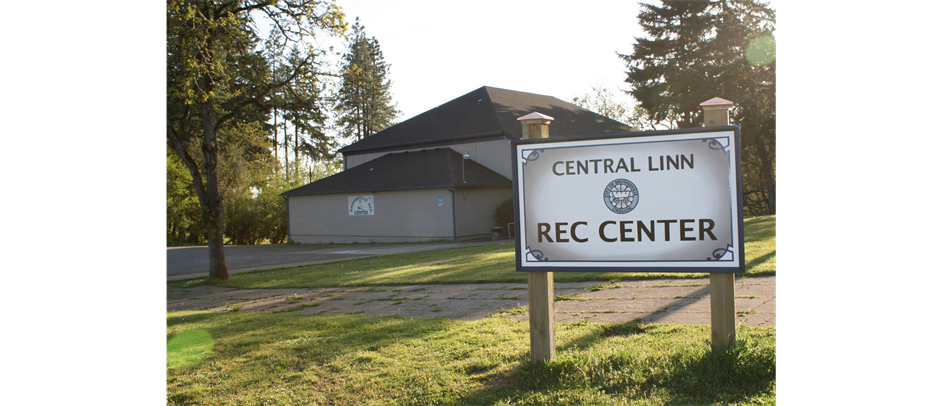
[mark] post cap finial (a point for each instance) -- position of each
(717, 102)
(536, 116)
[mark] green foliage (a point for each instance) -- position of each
(223, 82)
(303, 105)
(245, 169)
(666, 71)
(261, 215)
(603, 101)
(697, 50)
(184, 224)
(504, 213)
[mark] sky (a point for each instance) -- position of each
(440, 50)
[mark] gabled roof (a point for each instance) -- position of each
(426, 169)
(483, 113)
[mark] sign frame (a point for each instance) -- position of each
(736, 266)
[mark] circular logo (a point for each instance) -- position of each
(621, 196)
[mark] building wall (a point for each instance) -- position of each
(475, 210)
(493, 154)
(399, 216)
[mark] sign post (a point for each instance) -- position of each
(722, 298)
(540, 289)
(655, 201)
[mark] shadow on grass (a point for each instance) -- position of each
(751, 263)
(631, 373)
(759, 228)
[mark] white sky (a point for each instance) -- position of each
(440, 50)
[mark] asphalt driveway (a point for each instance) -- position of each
(193, 262)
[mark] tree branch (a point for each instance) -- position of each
(190, 164)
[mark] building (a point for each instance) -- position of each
(437, 176)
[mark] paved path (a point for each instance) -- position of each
(678, 301)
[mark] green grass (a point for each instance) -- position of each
(482, 264)
(288, 359)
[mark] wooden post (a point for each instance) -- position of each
(722, 311)
(540, 289)
(722, 299)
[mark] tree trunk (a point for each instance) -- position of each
(213, 212)
(284, 126)
(208, 194)
(217, 257)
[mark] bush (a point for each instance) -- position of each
(504, 213)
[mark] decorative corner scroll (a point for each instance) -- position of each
(532, 156)
(536, 254)
(717, 145)
(720, 253)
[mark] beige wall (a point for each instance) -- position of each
(492, 154)
(475, 209)
(399, 216)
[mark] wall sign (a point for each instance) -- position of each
(666, 201)
(360, 205)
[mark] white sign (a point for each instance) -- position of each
(360, 205)
(657, 201)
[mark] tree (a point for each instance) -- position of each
(602, 100)
(746, 45)
(183, 208)
(667, 71)
(304, 107)
(218, 74)
(364, 102)
(697, 50)
(245, 165)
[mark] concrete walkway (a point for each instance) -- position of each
(678, 301)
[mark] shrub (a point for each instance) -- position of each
(504, 213)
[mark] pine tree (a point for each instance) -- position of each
(697, 50)
(667, 71)
(364, 103)
(300, 113)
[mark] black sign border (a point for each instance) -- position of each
(741, 268)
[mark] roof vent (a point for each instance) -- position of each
(480, 100)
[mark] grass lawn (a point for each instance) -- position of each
(489, 263)
(236, 358)
(288, 359)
